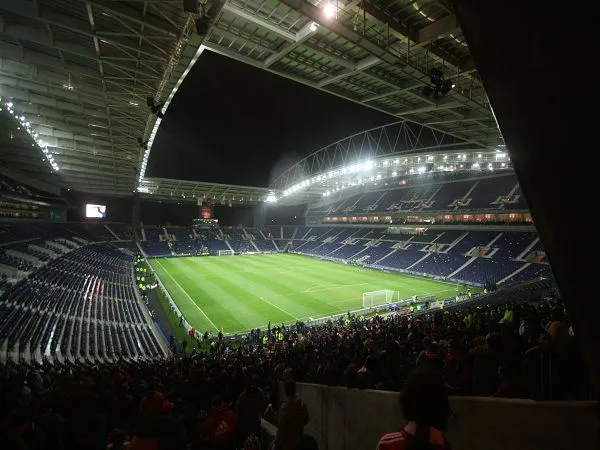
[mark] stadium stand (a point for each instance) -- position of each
(484, 349)
(81, 306)
(490, 193)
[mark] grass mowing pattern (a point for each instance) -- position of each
(239, 293)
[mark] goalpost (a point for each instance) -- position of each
(225, 252)
(376, 298)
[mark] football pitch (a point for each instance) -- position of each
(238, 293)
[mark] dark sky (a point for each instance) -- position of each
(232, 123)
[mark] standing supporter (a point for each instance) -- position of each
(219, 428)
(487, 358)
(429, 359)
(366, 377)
(541, 370)
(293, 415)
(455, 370)
(425, 406)
(558, 329)
(157, 430)
(250, 406)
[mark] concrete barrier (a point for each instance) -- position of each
(350, 419)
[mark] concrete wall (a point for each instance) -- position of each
(349, 419)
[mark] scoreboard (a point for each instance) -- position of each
(206, 209)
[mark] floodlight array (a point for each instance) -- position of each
(271, 198)
(41, 144)
(373, 172)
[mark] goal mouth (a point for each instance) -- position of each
(225, 252)
(377, 298)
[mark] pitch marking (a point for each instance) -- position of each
(188, 296)
(280, 309)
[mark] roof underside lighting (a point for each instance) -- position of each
(329, 11)
(271, 198)
(362, 173)
(42, 145)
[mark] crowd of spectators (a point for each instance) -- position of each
(214, 399)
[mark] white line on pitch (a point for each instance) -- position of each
(188, 296)
(320, 287)
(280, 309)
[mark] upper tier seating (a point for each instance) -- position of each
(88, 232)
(490, 193)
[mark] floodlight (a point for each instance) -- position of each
(329, 11)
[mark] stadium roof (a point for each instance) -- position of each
(194, 191)
(79, 71)
(376, 53)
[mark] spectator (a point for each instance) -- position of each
(541, 370)
(219, 428)
(425, 406)
(558, 329)
(250, 406)
(293, 415)
(429, 359)
(157, 429)
(366, 377)
(455, 372)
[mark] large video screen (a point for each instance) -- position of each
(95, 211)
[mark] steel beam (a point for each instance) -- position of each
(69, 23)
(364, 64)
(399, 88)
(134, 15)
(443, 103)
(301, 36)
(263, 23)
(438, 29)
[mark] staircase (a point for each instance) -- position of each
(112, 232)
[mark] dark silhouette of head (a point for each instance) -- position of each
(424, 400)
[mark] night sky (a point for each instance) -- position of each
(232, 123)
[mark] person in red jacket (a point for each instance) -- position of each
(424, 404)
(219, 428)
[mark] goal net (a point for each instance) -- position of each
(377, 298)
(225, 252)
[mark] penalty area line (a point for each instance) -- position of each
(280, 309)
(188, 296)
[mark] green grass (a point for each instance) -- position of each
(181, 333)
(239, 293)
